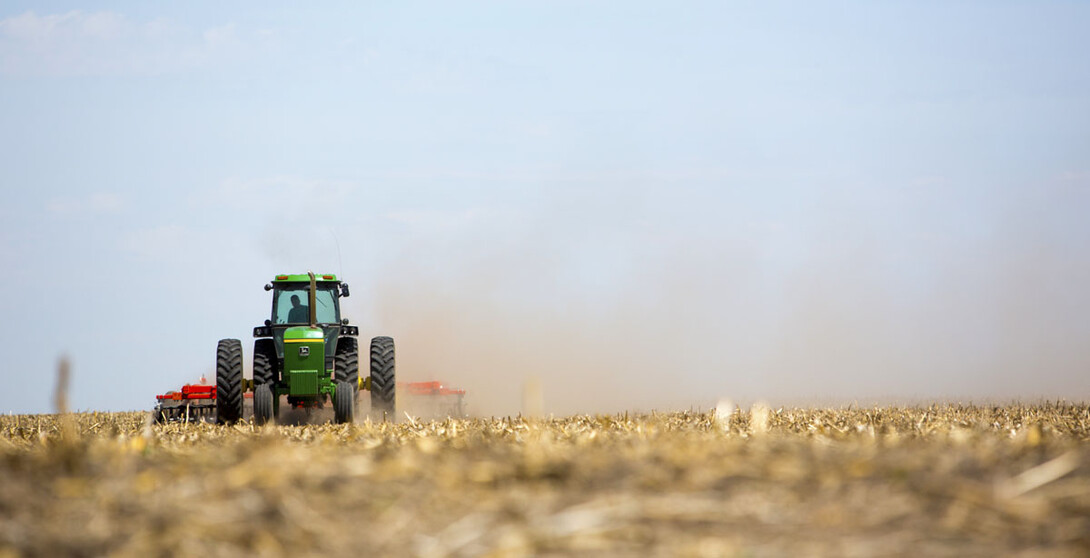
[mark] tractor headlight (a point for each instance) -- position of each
(262, 331)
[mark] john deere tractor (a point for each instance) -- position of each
(307, 353)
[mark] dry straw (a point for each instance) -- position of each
(934, 480)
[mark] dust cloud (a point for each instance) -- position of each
(655, 299)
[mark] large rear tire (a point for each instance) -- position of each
(344, 402)
(228, 381)
(263, 404)
(266, 369)
(382, 378)
(346, 365)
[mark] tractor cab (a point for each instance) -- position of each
(291, 301)
(291, 305)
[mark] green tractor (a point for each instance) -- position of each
(307, 353)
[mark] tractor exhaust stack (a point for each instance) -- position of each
(311, 300)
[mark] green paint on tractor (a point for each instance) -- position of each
(303, 334)
(304, 357)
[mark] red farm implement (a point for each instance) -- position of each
(434, 399)
(197, 402)
(194, 402)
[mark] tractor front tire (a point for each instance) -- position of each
(228, 381)
(263, 404)
(344, 401)
(265, 362)
(346, 365)
(383, 384)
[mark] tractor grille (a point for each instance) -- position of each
(304, 382)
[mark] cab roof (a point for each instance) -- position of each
(297, 277)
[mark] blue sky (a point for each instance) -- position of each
(643, 204)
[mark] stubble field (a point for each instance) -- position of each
(940, 480)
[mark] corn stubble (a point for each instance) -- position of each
(940, 480)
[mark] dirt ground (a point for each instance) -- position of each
(942, 480)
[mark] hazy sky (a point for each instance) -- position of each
(644, 204)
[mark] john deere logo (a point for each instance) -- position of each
(304, 351)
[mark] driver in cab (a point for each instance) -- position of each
(298, 313)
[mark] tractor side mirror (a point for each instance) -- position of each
(344, 289)
(268, 286)
(268, 322)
